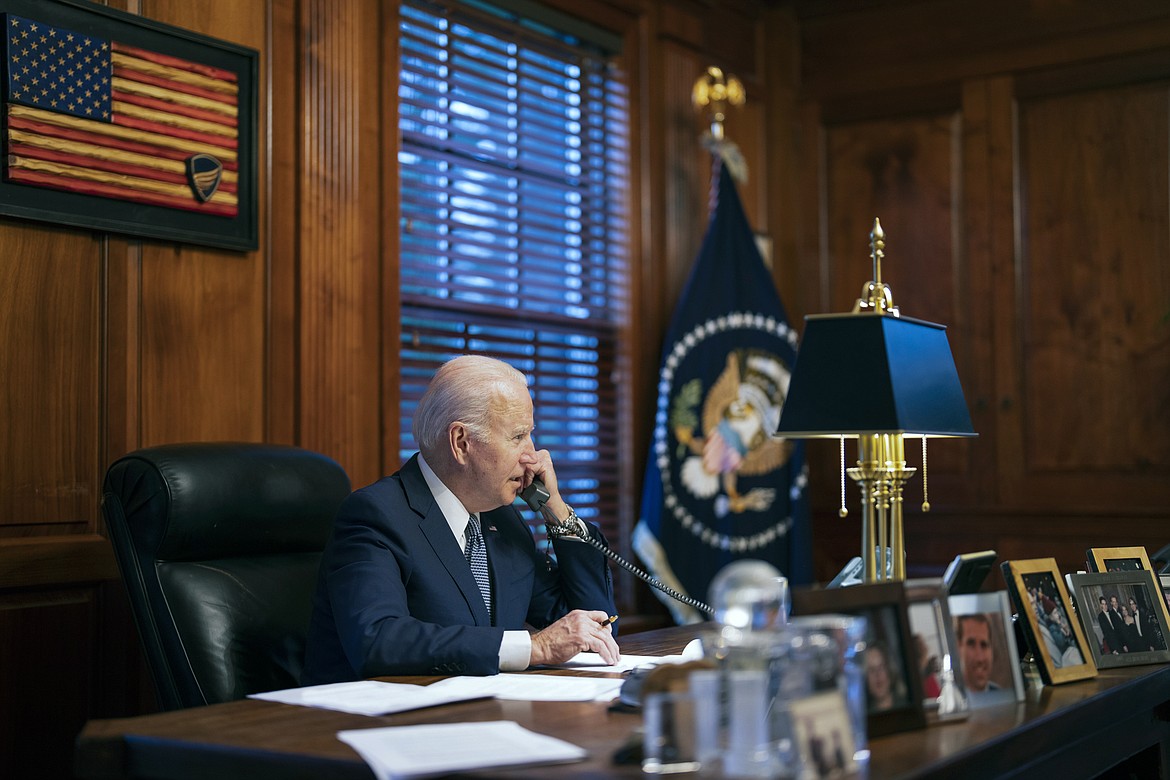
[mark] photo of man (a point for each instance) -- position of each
(976, 652)
(985, 657)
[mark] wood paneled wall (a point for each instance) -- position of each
(1016, 154)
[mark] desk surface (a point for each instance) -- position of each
(1079, 729)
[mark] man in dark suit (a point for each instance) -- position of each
(1119, 623)
(1110, 633)
(398, 591)
(1145, 628)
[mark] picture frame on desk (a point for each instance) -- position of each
(933, 639)
(1117, 559)
(893, 688)
(988, 658)
(1164, 581)
(1138, 632)
(823, 734)
(1101, 559)
(1045, 613)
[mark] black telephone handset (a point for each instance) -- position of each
(536, 495)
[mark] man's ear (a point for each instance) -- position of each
(459, 442)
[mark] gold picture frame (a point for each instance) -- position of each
(1045, 612)
(1103, 559)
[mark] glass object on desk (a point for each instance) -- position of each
(670, 733)
(828, 656)
(749, 595)
(783, 703)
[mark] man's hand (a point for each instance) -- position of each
(539, 465)
(577, 632)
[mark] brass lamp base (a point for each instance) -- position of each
(881, 473)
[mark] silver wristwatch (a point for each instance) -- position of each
(572, 526)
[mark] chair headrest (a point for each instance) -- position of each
(216, 500)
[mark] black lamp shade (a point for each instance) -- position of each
(874, 373)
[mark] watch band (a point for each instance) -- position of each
(571, 526)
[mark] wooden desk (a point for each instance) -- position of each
(1074, 730)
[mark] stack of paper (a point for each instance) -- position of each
(532, 687)
(592, 662)
(369, 697)
(414, 751)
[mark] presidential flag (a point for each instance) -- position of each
(102, 118)
(719, 486)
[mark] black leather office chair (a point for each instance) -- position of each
(219, 545)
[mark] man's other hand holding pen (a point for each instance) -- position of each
(581, 631)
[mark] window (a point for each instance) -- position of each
(513, 230)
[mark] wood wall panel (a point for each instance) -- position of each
(688, 171)
(204, 311)
(341, 218)
(43, 715)
(280, 74)
(784, 152)
(1093, 180)
(901, 171)
(987, 238)
(202, 335)
(121, 348)
(854, 49)
(49, 357)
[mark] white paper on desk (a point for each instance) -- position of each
(368, 697)
(533, 687)
(592, 662)
(429, 749)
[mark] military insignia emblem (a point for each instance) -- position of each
(204, 173)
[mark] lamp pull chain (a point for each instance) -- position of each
(925, 490)
(843, 511)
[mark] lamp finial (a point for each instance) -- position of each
(875, 295)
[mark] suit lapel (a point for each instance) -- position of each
(502, 557)
(433, 526)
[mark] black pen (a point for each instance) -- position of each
(609, 621)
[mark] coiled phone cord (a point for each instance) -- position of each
(647, 578)
(535, 495)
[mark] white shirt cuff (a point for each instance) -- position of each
(515, 651)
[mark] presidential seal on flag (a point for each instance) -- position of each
(738, 413)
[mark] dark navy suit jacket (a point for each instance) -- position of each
(395, 595)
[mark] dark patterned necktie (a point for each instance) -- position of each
(477, 557)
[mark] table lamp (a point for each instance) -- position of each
(879, 377)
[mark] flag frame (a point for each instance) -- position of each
(238, 231)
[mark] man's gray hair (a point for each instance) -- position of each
(462, 390)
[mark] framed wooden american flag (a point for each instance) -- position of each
(118, 123)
